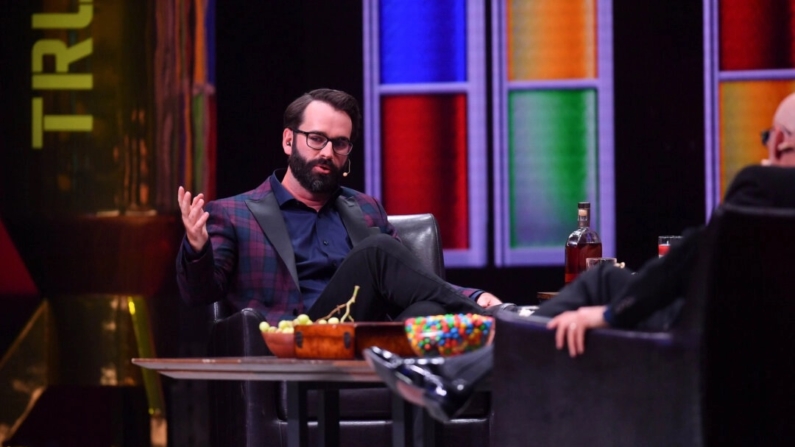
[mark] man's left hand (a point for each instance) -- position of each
(487, 300)
(570, 327)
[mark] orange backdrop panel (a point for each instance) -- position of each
(551, 39)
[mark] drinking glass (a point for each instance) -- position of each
(664, 244)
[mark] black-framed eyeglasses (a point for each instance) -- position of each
(767, 132)
(318, 141)
(765, 136)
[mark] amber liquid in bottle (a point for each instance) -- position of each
(582, 243)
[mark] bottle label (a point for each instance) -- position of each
(583, 219)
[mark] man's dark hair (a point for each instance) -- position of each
(294, 114)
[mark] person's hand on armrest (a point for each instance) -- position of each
(486, 299)
(570, 327)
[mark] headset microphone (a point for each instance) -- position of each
(345, 174)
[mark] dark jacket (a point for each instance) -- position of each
(663, 282)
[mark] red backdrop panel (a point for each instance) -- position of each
(424, 160)
(757, 35)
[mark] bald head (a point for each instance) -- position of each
(785, 114)
(781, 143)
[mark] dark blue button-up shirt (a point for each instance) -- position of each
(319, 239)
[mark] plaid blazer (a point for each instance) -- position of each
(249, 259)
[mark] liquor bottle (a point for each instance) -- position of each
(583, 243)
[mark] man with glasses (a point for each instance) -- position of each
(650, 299)
(300, 242)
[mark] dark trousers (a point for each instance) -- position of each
(595, 287)
(392, 285)
(471, 367)
(599, 287)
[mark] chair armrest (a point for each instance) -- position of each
(629, 388)
(220, 310)
(237, 335)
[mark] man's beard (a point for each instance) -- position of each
(321, 183)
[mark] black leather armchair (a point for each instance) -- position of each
(723, 376)
(254, 413)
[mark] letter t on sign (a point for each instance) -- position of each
(62, 123)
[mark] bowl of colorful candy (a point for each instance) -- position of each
(449, 334)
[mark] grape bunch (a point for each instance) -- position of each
(288, 326)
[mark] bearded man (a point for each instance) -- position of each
(300, 242)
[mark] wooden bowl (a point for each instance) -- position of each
(325, 341)
(348, 340)
(281, 344)
(386, 335)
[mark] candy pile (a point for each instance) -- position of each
(449, 334)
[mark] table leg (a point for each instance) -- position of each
(409, 420)
(328, 417)
(402, 422)
(431, 430)
(297, 431)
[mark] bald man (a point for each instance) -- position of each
(650, 299)
(630, 301)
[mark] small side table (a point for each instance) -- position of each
(302, 375)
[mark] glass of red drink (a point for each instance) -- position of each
(664, 244)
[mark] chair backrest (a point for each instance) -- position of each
(420, 233)
(747, 285)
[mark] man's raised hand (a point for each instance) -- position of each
(194, 218)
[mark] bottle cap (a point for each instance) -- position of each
(584, 205)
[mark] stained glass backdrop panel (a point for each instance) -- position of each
(551, 39)
(756, 35)
(746, 108)
(422, 41)
(424, 160)
(552, 163)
